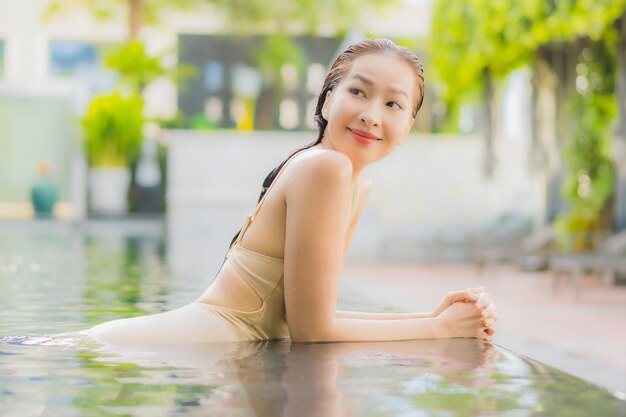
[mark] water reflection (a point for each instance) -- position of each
(124, 277)
(333, 379)
(454, 377)
(62, 283)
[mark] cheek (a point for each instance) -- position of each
(401, 126)
(337, 107)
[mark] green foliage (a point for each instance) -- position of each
(178, 121)
(152, 10)
(137, 68)
(281, 17)
(305, 16)
(113, 129)
(100, 9)
(113, 123)
(278, 50)
(587, 150)
(200, 121)
(474, 37)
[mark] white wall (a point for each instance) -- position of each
(429, 190)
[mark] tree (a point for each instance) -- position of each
(474, 45)
(277, 18)
(479, 41)
(619, 145)
(138, 12)
(282, 18)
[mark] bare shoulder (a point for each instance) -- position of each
(320, 167)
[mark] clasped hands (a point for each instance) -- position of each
(467, 313)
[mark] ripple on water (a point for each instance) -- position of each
(81, 281)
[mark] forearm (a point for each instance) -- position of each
(342, 314)
(363, 330)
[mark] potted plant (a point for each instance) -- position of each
(112, 138)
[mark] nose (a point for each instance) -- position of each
(371, 116)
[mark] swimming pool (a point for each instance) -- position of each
(53, 284)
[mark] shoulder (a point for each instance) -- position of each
(321, 165)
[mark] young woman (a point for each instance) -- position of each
(281, 274)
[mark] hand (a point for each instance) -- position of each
(489, 312)
(470, 295)
(463, 319)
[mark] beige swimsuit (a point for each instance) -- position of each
(200, 322)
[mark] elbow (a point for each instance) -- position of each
(305, 339)
(311, 335)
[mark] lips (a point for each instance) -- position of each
(363, 136)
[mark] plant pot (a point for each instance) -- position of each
(44, 194)
(108, 189)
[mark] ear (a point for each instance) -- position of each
(406, 132)
(327, 102)
(408, 128)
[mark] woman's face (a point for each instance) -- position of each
(370, 111)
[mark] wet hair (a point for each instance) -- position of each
(337, 72)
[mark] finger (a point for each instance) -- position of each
(483, 300)
(491, 310)
(490, 331)
(485, 297)
(488, 310)
(476, 290)
(485, 335)
(494, 311)
(463, 295)
(488, 322)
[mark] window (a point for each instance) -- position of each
(69, 58)
(234, 90)
(213, 77)
(81, 61)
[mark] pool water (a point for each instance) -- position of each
(53, 285)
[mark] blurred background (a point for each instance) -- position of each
(138, 132)
(175, 111)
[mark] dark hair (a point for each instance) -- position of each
(334, 77)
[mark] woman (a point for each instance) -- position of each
(280, 276)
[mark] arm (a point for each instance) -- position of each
(467, 296)
(486, 307)
(318, 199)
(342, 314)
(364, 189)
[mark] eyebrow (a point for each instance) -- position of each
(367, 81)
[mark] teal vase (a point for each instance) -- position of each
(44, 195)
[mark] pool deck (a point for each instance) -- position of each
(586, 338)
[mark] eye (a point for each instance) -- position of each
(356, 91)
(394, 104)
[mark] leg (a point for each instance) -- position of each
(193, 323)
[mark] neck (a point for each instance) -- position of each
(357, 168)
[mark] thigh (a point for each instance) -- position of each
(193, 323)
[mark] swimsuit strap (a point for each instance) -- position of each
(250, 217)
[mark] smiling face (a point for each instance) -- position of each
(370, 111)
